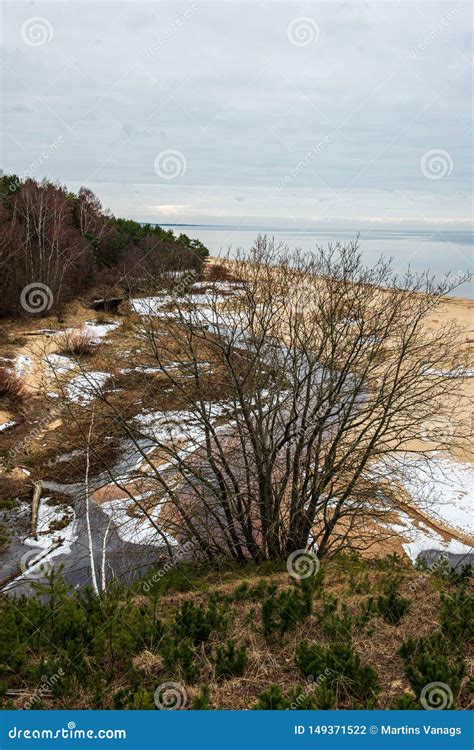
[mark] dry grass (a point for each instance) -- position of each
(219, 272)
(272, 662)
(77, 343)
(12, 388)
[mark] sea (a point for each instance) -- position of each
(435, 250)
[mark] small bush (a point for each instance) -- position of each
(289, 608)
(390, 605)
(335, 619)
(424, 669)
(230, 661)
(368, 610)
(77, 343)
(12, 388)
(142, 700)
(282, 612)
(202, 700)
(432, 659)
(406, 702)
(342, 668)
(272, 700)
(244, 592)
(180, 656)
(299, 699)
(359, 584)
(197, 623)
(457, 615)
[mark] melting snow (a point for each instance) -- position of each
(58, 363)
(23, 365)
(455, 373)
(84, 388)
(47, 540)
(443, 487)
(178, 425)
(421, 538)
(97, 331)
(137, 529)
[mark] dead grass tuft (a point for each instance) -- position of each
(77, 343)
(12, 388)
(148, 663)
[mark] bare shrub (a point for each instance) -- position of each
(299, 397)
(218, 272)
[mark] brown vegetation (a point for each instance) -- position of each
(12, 388)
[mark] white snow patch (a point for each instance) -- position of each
(58, 364)
(170, 426)
(152, 305)
(6, 426)
(23, 365)
(421, 538)
(443, 488)
(47, 514)
(84, 388)
(132, 525)
(97, 331)
(459, 373)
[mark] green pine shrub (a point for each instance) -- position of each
(335, 619)
(142, 700)
(432, 659)
(272, 700)
(406, 702)
(282, 612)
(344, 672)
(202, 700)
(244, 592)
(180, 657)
(457, 615)
(196, 622)
(390, 605)
(285, 610)
(299, 699)
(230, 660)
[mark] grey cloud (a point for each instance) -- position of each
(222, 83)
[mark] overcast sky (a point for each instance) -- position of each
(271, 114)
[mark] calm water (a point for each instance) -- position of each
(439, 251)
